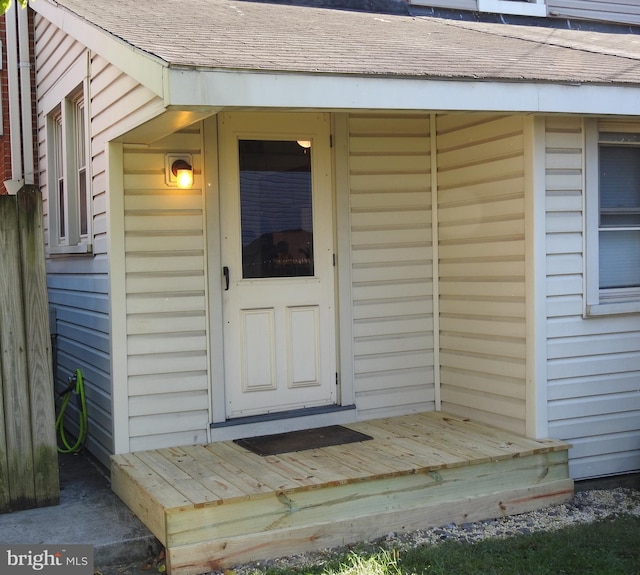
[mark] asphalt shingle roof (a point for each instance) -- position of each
(258, 36)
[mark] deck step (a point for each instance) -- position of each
(219, 505)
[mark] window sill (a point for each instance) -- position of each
(79, 249)
(613, 308)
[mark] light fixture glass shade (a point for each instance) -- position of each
(183, 172)
(185, 178)
(304, 143)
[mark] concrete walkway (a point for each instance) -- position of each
(89, 512)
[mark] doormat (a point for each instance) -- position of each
(301, 440)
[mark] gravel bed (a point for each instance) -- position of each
(584, 507)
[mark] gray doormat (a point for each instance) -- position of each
(301, 440)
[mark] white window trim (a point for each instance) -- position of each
(74, 242)
(517, 7)
(613, 302)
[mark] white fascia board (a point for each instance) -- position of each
(146, 69)
(227, 88)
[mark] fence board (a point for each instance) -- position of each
(40, 374)
(4, 472)
(28, 462)
(14, 363)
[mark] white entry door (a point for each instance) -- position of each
(278, 262)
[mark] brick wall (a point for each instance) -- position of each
(5, 148)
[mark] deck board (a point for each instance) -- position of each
(419, 450)
(216, 505)
(467, 446)
(383, 458)
(249, 484)
(191, 460)
(177, 477)
(254, 465)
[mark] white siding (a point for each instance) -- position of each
(56, 52)
(78, 297)
(482, 268)
(622, 11)
(593, 364)
(117, 104)
(78, 285)
(390, 198)
(166, 317)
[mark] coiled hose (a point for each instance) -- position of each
(76, 384)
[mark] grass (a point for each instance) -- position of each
(607, 547)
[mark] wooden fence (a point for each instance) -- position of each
(28, 452)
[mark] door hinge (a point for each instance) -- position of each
(334, 260)
(331, 140)
(337, 379)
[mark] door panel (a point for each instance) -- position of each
(303, 346)
(277, 245)
(258, 350)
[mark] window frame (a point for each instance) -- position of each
(68, 141)
(611, 301)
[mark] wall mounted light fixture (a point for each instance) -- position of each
(183, 173)
(179, 170)
(306, 144)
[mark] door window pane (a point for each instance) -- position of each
(275, 209)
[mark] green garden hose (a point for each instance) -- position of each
(76, 384)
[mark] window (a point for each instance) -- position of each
(613, 218)
(275, 209)
(519, 7)
(69, 182)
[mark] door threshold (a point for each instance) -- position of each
(282, 422)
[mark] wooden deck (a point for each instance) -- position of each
(218, 505)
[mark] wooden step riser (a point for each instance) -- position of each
(223, 553)
(300, 508)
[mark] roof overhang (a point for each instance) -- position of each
(205, 88)
(228, 88)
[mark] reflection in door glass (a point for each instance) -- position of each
(276, 209)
